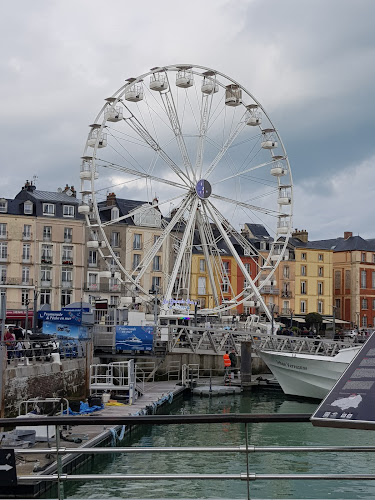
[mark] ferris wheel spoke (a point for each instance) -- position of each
(238, 260)
(254, 208)
(171, 111)
(203, 127)
(144, 264)
(138, 174)
(139, 129)
(188, 229)
(243, 172)
(235, 132)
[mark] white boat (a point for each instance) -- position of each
(310, 375)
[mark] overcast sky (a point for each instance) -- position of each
(310, 63)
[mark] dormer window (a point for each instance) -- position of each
(28, 208)
(68, 211)
(115, 213)
(48, 209)
(3, 205)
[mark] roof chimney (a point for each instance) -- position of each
(347, 234)
(29, 186)
(111, 200)
(302, 235)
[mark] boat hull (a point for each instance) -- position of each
(305, 375)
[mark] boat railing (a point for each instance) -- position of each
(302, 345)
(249, 471)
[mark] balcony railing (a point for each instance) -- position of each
(4, 235)
(104, 287)
(67, 284)
(46, 283)
(286, 294)
(27, 236)
(46, 259)
(270, 290)
(286, 311)
(92, 263)
(67, 262)
(16, 281)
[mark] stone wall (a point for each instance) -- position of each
(44, 380)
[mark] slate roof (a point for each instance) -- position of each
(258, 230)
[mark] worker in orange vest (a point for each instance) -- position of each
(227, 365)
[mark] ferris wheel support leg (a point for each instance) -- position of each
(189, 225)
(239, 262)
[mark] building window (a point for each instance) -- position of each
(373, 279)
(67, 255)
(68, 234)
(320, 306)
(3, 251)
(373, 257)
(348, 278)
(68, 211)
(364, 303)
(46, 254)
(246, 282)
(202, 265)
(156, 266)
(363, 257)
(45, 274)
(136, 260)
(45, 296)
(286, 272)
(115, 239)
(93, 281)
(3, 231)
(320, 257)
(26, 235)
(3, 205)
(66, 297)
(303, 288)
(25, 275)
(113, 262)
(320, 271)
(225, 285)
(226, 267)
(114, 300)
(373, 304)
(115, 213)
(25, 297)
(28, 208)
(363, 279)
(337, 304)
(66, 275)
(156, 284)
(201, 285)
(93, 258)
(3, 274)
(137, 242)
(47, 233)
(48, 209)
(303, 306)
(303, 256)
(364, 321)
(303, 270)
(320, 288)
(26, 252)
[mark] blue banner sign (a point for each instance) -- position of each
(134, 338)
(72, 317)
(65, 330)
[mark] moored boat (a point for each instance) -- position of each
(309, 375)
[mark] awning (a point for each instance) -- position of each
(18, 314)
(298, 320)
(330, 321)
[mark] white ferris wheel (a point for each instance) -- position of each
(197, 145)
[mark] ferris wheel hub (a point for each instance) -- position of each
(203, 189)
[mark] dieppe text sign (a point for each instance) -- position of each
(351, 401)
(134, 338)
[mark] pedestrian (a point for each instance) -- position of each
(227, 365)
(233, 363)
(18, 333)
(9, 342)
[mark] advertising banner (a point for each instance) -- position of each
(66, 316)
(134, 338)
(69, 331)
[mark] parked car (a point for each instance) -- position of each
(351, 334)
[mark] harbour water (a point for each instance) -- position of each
(260, 434)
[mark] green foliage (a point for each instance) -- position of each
(313, 319)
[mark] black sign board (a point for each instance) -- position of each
(351, 401)
(8, 473)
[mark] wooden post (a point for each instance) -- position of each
(246, 363)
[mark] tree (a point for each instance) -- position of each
(314, 319)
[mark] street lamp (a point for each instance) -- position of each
(291, 318)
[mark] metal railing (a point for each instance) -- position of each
(57, 474)
(29, 352)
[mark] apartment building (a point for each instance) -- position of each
(354, 280)
(131, 229)
(42, 248)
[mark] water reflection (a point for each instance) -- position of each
(260, 434)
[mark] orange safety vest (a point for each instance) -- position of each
(227, 361)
